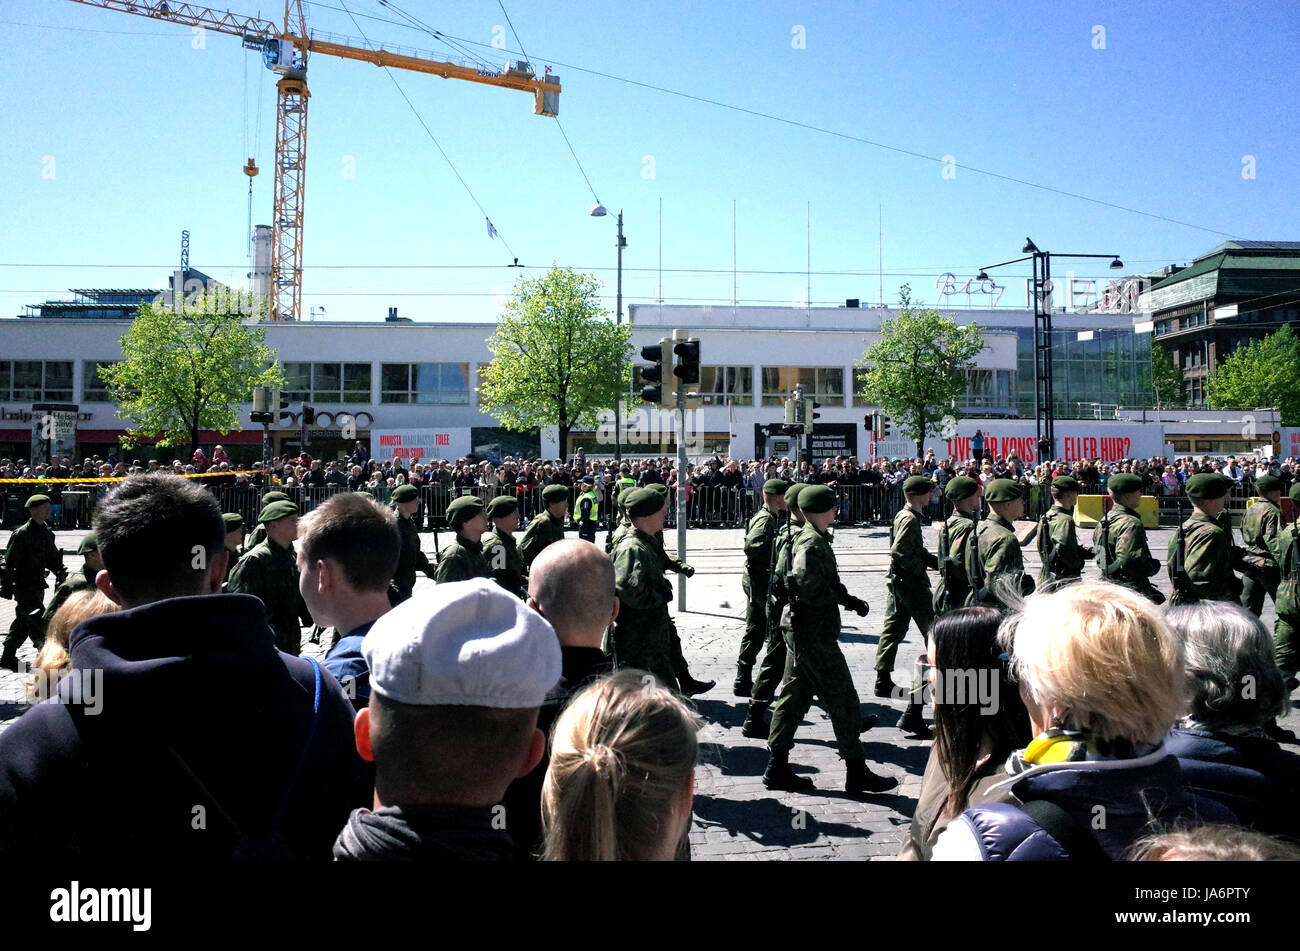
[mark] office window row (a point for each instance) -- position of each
(326, 382)
(36, 380)
(441, 383)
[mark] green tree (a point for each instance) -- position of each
(1167, 384)
(1261, 373)
(918, 367)
(184, 368)
(556, 356)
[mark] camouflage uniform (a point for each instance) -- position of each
(760, 536)
(270, 572)
(994, 564)
(411, 560)
(500, 548)
(1120, 541)
(1259, 531)
(954, 583)
(30, 553)
(1059, 547)
(542, 531)
(910, 598)
(1287, 644)
(642, 635)
(1207, 555)
(462, 560)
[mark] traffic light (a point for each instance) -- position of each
(687, 369)
(884, 426)
(808, 414)
(789, 412)
(262, 405)
(658, 389)
(283, 407)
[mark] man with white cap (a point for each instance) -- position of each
(457, 675)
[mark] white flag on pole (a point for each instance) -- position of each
(492, 232)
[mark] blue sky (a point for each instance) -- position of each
(145, 135)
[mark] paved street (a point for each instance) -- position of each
(735, 817)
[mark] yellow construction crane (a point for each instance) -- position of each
(284, 51)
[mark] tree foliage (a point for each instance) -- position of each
(917, 367)
(1261, 373)
(1167, 384)
(555, 356)
(185, 368)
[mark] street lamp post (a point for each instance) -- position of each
(1044, 406)
(598, 211)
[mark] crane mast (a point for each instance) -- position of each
(284, 50)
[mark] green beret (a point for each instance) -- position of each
(35, 500)
(463, 509)
(1268, 483)
(659, 489)
(276, 511)
(274, 497)
(367, 495)
(815, 499)
(1294, 493)
(555, 493)
(1066, 484)
(775, 487)
(1123, 482)
(89, 542)
(1208, 485)
(960, 487)
(502, 506)
(917, 485)
(639, 503)
(233, 520)
(405, 493)
(1003, 490)
(792, 495)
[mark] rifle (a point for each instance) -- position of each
(1183, 586)
(1046, 550)
(1104, 549)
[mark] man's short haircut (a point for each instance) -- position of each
(151, 528)
(573, 582)
(355, 533)
(446, 750)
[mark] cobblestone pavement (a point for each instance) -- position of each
(735, 817)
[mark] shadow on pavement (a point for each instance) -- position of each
(769, 822)
(723, 712)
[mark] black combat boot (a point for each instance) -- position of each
(778, 775)
(860, 779)
(690, 686)
(756, 726)
(744, 684)
(885, 686)
(913, 721)
(1279, 734)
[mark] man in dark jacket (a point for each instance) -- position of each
(572, 586)
(456, 678)
(164, 771)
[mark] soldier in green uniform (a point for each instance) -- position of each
(464, 559)
(269, 570)
(816, 663)
(30, 553)
(1120, 540)
(545, 528)
(234, 525)
(772, 671)
(624, 483)
(643, 630)
(1259, 532)
(500, 548)
(258, 534)
(760, 554)
(1201, 554)
(406, 500)
(1058, 545)
(994, 564)
(82, 580)
(1287, 645)
(588, 510)
(954, 536)
(910, 598)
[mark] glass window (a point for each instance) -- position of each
(720, 385)
(395, 380)
(326, 382)
(297, 382)
(356, 382)
(93, 388)
(425, 383)
(27, 380)
(6, 378)
(859, 381)
(824, 384)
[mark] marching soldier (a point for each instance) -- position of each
(994, 563)
(772, 670)
(82, 580)
(1259, 531)
(464, 557)
(954, 537)
(816, 663)
(1201, 553)
(1120, 540)
(642, 632)
(1058, 545)
(258, 535)
(621, 485)
(545, 527)
(1288, 597)
(406, 500)
(269, 571)
(500, 548)
(30, 553)
(234, 525)
(588, 510)
(910, 598)
(760, 542)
